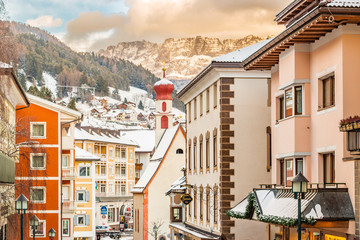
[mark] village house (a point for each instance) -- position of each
(314, 84)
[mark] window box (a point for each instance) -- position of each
(349, 124)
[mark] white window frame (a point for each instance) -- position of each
(77, 196)
(86, 171)
(31, 130)
(37, 201)
(77, 220)
(44, 230)
(31, 161)
(111, 170)
(68, 160)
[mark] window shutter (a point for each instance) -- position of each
(87, 196)
(87, 220)
(75, 220)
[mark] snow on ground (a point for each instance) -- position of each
(50, 83)
(134, 95)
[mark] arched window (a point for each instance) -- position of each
(164, 106)
(122, 210)
(179, 151)
(164, 122)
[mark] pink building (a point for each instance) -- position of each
(314, 84)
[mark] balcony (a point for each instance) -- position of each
(67, 142)
(68, 173)
(138, 166)
(68, 206)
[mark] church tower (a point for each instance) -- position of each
(163, 104)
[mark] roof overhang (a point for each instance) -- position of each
(12, 88)
(310, 28)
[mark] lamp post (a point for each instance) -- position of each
(34, 223)
(52, 233)
(299, 188)
(155, 229)
(21, 205)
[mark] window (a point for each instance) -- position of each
(179, 151)
(207, 204)
(65, 227)
(201, 105)
(38, 130)
(207, 151)
(189, 205)
(123, 153)
(103, 170)
(111, 188)
(268, 148)
(37, 160)
(40, 231)
(201, 203)
(164, 122)
(131, 153)
(65, 161)
(37, 194)
(299, 166)
(189, 154)
(327, 92)
(201, 152)
(189, 112)
(82, 220)
(353, 141)
(289, 102)
(215, 96)
(282, 172)
(111, 214)
(123, 171)
(84, 171)
(289, 172)
(103, 188)
(298, 100)
(82, 196)
(117, 171)
(195, 203)
(194, 152)
(207, 100)
(176, 214)
(195, 109)
(281, 107)
(117, 152)
(123, 190)
(117, 189)
(329, 167)
(216, 211)
(164, 106)
(111, 153)
(215, 147)
(65, 193)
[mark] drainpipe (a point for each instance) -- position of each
(61, 209)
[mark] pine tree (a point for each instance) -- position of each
(72, 104)
(141, 106)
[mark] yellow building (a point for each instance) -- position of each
(84, 218)
(114, 174)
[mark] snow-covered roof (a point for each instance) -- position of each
(177, 185)
(112, 113)
(165, 142)
(81, 134)
(163, 81)
(5, 65)
(81, 154)
(162, 148)
(192, 231)
(344, 3)
(145, 139)
(241, 54)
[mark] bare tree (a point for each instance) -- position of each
(155, 229)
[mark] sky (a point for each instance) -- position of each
(90, 25)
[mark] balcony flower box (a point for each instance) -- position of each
(350, 124)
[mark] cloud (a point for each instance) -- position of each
(45, 21)
(156, 20)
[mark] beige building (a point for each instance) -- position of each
(228, 113)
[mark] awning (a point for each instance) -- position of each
(187, 230)
(278, 206)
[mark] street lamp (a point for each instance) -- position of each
(52, 233)
(34, 223)
(299, 188)
(21, 205)
(155, 229)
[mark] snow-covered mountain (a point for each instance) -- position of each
(184, 57)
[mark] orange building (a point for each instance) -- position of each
(45, 136)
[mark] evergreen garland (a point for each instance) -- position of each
(284, 221)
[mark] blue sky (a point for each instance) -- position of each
(89, 25)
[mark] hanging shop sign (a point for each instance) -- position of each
(186, 199)
(331, 237)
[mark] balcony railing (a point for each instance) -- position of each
(68, 173)
(68, 205)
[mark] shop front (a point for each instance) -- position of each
(326, 213)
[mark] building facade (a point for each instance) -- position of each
(45, 136)
(12, 96)
(228, 113)
(114, 174)
(313, 86)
